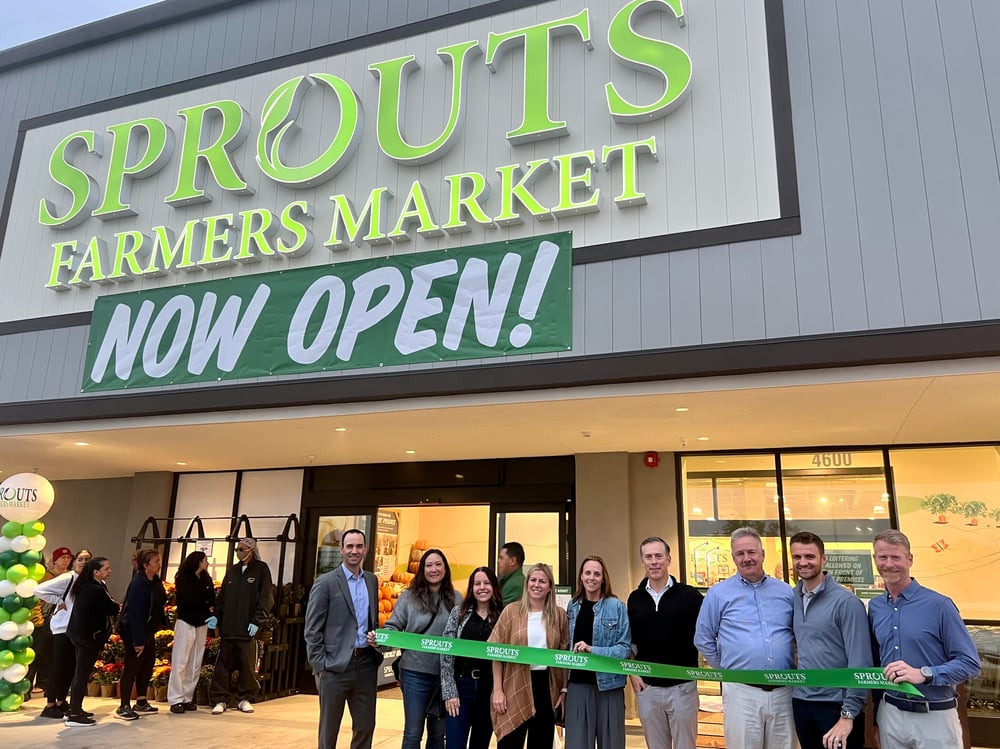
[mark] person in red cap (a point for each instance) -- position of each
(62, 560)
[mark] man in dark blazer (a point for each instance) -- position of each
(342, 609)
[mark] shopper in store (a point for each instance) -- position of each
(526, 698)
(423, 608)
(58, 592)
(923, 641)
(598, 624)
(662, 613)
(831, 631)
(342, 610)
(746, 623)
(509, 564)
(142, 617)
(194, 593)
(244, 601)
(89, 628)
(467, 683)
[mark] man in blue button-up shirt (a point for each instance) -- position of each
(921, 640)
(746, 623)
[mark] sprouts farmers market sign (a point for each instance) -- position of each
(510, 297)
(562, 116)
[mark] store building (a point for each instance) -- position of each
(575, 272)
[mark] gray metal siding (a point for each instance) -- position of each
(896, 114)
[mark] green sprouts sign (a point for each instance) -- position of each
(505, 298)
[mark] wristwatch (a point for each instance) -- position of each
(846, 714)
(928, 673)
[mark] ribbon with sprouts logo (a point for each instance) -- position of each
(844, 678)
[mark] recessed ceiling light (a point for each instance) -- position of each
(181, 463)
(410, 452)
(681, 410)
(81, 443)
(340, 429)
(703, 439)
(460, 475)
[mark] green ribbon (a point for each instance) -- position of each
(844, 678)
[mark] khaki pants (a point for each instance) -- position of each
(669, 716)
(899, 729)
(755, 719)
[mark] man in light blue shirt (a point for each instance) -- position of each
(746, 623)
(922, 640)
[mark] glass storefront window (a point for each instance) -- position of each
(537, 532)
(948, 503)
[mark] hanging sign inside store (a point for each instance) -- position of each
(580, 120)
(847, 678)
(490, 300)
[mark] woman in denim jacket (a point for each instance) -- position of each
(598, 624)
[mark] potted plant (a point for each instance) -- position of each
(93, 683)
(940, 505)
(212, 645)
(114, 650)
(161, 676)
(163, 642)
(266, 631)
(204, 681)
(107, 677)
(292, 595)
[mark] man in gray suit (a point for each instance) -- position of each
(342, 609)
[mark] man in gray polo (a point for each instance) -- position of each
(831, 631)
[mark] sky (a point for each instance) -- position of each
(27, 20)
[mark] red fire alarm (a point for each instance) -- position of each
(651, 459)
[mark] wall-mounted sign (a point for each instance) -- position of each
(560, 116)
(508, 297)
(854, 568)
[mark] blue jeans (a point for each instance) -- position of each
(418, 691)
(473, 715)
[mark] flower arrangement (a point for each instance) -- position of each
(114, 649)
(108, 673)
(163, 642)
(205, 676)
(212, 645)
(292, 593)
(161, 673)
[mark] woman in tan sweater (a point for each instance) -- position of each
(525, 697)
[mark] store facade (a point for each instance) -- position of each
(325, 258)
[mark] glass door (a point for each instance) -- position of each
(542, 534)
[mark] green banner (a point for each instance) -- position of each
(846, 678)
(489, 300)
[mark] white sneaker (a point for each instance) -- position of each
(219, 709)
(245, 706)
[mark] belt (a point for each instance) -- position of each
(358, 652)
(919, 706)
(470, 673)
(765, 687)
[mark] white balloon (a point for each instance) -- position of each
(8, 631)
(4, 544)
(36, 543)
(25, 588)
(25, 497)
(25, 628)
(7, 588)
(15, 673)
(20, 544)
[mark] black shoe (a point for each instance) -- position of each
(54, 711)
(190, 707)
(145, 707)
(126, 713)
(82, 712)
(79, 720)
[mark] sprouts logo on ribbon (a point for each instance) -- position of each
(571, 659)
(499, 653)
(503, 298)
(433, 644)
(785, 677)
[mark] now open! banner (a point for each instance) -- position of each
(489, 300)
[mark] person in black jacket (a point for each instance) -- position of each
(662, 614)
(142, 617)
(88, 630)
(243, 603)
(195, 597)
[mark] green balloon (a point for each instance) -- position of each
(36, 572)
(29, 557)
(19, 643)
(21, 615)
(3, 572)
(12, 602)
(25, 657)
(11, 703)
(33, 528)
(6, 659)
(9, 557)
(4, 688)
(29, 602)
(11, 529)
(17, 573)
(4, 617)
